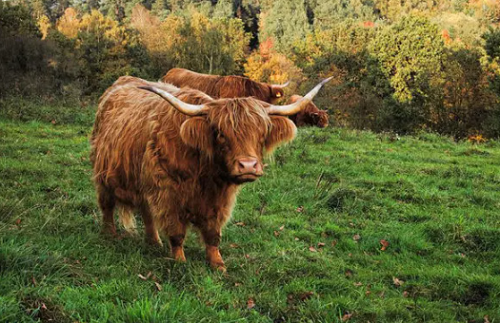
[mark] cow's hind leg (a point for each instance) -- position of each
(107, 203)
(152, 236)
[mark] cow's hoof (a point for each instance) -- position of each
(178, 254)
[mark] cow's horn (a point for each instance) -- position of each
(183, 107)
(291, 109)
(282, 85)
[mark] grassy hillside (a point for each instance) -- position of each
(305, 243)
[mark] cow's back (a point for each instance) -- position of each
(181, 77)
(239, 87)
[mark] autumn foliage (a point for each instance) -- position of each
(402, 66)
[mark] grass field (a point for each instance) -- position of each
(345, 226)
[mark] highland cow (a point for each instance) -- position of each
(179, 157)
(231, 86)
(310, 115)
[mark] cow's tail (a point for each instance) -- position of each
(127, 219)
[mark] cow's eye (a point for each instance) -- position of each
(221, 138)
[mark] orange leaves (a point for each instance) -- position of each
(266, 65)
(250, 303)
(384, 244)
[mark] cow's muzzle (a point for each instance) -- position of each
(247, 169)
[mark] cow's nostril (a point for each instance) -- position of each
(247, 165)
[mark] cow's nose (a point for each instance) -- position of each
(248, 165)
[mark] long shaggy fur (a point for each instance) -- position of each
(148, 156)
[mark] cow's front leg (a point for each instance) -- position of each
(176, 232)
(212, 240)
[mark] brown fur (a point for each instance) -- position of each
(175, 169)
(310, 115)
(224, 86)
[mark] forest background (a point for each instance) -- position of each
(399, 65)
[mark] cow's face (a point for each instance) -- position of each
(236, 133)
(320, 119)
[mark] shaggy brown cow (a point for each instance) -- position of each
(231, 86)
(179, 157)
(310, 115)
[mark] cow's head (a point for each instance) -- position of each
(236, 133)
(317, 117)
(278, 91)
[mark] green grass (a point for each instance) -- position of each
(435, 201)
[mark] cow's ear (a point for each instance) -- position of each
(283, 130)
(196, 133)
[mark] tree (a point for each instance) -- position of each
(266, 65)
(409, 53)
(286, 22)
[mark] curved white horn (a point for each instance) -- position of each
(183, 107)
(291, 109)
(282, 85)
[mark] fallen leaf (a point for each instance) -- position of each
(233, 245)
(237, 284)
(346, 317)
(142, 277)
(486, 319)
(18, 221)
(53, 121)
(158, 286)
(381, 294)
(296, 239)
(405, 294)
(334, 243)
(356, 237)
(358, 284)
(384, 244)
(43, 307)
(247, 256)
(250, 303)
(282, 227)
(368, 293)
(305, 296)
(300, 209)
(276, 234)
(351, 224)
(350, 254)
(240, 224)
(397, 282)
(312, 249)
(321, 244)
(348, 273)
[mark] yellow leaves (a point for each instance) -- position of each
(69, 23)
(44, 25)
(266, 65)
